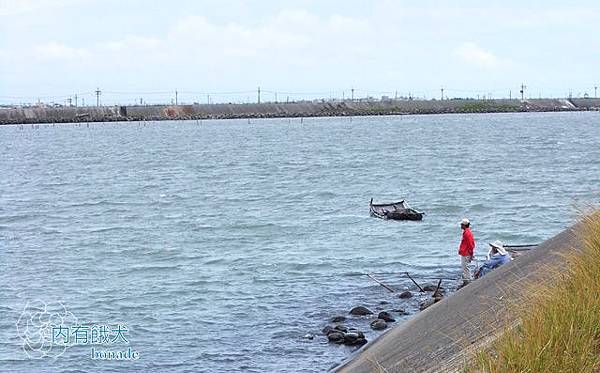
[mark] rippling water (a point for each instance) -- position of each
(220, 244)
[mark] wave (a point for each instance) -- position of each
(102, 202)
(107, 229)
(154, 268)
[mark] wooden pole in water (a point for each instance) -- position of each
(419, 286)
(437, 288)
(381, 283)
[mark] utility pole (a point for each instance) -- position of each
(510, 94)
(595, 91)
(396, 96)
(176, 98)
(522, 91)
(352, 90)
(70, 100)
(208, 99)
(259, 95)
(75, 100)
(83, 102)
(442, 90)
(98, 93)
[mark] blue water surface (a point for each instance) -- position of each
(222, 244)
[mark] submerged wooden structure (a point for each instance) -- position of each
(395, 211)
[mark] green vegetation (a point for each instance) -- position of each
(482, 106)
(560, 325)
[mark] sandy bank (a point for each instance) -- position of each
(445, 335)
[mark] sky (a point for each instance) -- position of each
(222, 51)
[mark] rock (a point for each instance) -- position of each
(309, 336)
(431, 287)
(426, 303)
(338, 318)
(401, 311)
(383, 302)
(405, 294)
(336, 337)
(349, 338)
(328, 329)
(378, 324)
(353, 339)
(360, 311)
(360, 341)
(341, 328)
(360, 334)
(385, 316)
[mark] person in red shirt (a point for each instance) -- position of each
(466, 249)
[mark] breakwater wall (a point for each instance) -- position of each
(64, 114)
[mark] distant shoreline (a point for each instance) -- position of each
(303, 109)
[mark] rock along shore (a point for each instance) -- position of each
(69, 114)
(448, 334)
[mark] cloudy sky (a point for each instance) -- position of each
(52, 49)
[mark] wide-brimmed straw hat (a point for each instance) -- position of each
(499, 247)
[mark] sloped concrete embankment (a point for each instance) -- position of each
(448, 334)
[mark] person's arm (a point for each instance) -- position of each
(495, 261)
(463, 244)
(471, 243)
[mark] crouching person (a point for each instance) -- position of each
(497, 256)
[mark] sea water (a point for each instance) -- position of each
(226, 245)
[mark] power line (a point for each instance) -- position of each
(235, 96)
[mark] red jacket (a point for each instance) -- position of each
(467, 245)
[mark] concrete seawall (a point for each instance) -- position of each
(448, 334)
(282, 110)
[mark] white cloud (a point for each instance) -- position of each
(57, 51)
(132, 42)
(473, 54)
(17, 7)
(288, 30)
(384, 45)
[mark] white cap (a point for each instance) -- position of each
(499, 247)
(465, 221)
